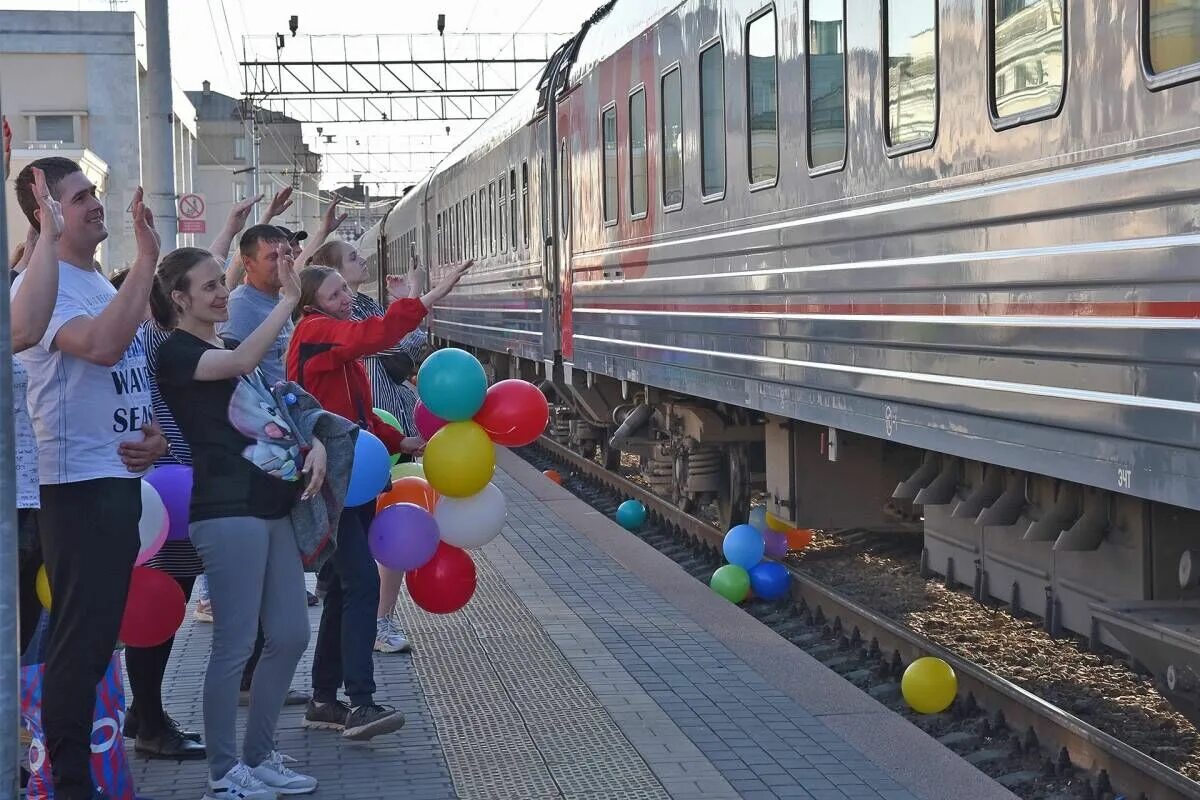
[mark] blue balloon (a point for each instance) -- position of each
(744, 545)
(370, 472)
(452, 384)
(631, 515)
(758, 518)
(770, 580)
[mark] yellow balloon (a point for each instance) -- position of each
(42, 584)
(409, 469)
(778, 525)
(929, 685)
(460, 459)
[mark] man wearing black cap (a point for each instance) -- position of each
(295, 239)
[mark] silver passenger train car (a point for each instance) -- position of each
(918, 264)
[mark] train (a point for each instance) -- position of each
(923, 266)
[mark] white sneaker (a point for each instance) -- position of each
(388, 638)
(283, 779)
(239, 784)
(203, 612)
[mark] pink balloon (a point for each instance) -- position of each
(427, 423)
(777, 545)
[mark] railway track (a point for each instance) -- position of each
(1034, 747)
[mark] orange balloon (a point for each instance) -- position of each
(409, 489)
(799, 538)
(553, 475)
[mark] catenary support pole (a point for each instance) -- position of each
(158, 127)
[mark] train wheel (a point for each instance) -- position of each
(733, 499)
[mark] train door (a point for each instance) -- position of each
(550, 284)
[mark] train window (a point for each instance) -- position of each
(672, 140)
(608, 130)
(503, 190)
(462, 231)
(639, 178)
(481, 211)
(910, 36)
(762, 100)
(525, 201)
(826, 69)
(712, 121)
(473, 227)
(439, 237)
(512, 209)
(1028, 49)
(492, 217)
(1172, 36)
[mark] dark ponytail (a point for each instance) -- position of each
(171, 276)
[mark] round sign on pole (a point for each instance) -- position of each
(191, 206)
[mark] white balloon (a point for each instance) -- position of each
(153, 524)
(470, 522)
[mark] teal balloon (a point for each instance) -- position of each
(731, 582)
(770, 580)
(744, 545)
(452, 384)
(631, 515)
(758, 518)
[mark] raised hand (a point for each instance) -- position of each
(148, 241)
(240, 213)
(289, 278)
(280, 203)
(50, 213)
(332, 220)
(7, 145)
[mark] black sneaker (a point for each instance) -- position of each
(326, 716)
(367, 722)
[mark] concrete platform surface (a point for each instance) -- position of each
(588, 665)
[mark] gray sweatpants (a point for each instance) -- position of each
(254, 573)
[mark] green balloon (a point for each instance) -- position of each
(389, 418)
(731, 582)
(409, 469)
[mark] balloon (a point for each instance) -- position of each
(390, 419)
(173, 483)
(369, 473)
(514, 413)
(403, 536)
(776, 524)
(452, 384)
(770, 580)
(758, 518)
(929, 685)
(631, 515)
(42, 584)
(474, 521)
(799, 538)
(460, 460)
(744, 546)
(446, 583)
(427, 423)
(153, 609)
(552, 475)
(731, 582)
(409, 490)
(153, 525)
(776, 544)
(409, 469)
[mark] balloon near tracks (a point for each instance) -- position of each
(452, 384)
(731, 582)
(929, 685)
(460, 460)
(474, 521)
(744, 546)
(446, 583)
(553, 476)
(631, 515)
(514, 413)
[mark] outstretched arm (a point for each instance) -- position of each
(233, 226)
(329, 223)
(33, 304)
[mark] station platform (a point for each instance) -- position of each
(589, 665)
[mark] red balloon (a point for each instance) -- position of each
(427, 424)
(153, 609)
(445, 583)
(514, 413)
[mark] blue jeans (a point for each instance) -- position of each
(346, 638)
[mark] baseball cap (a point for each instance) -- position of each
(298, 236)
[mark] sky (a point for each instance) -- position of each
(208, 38)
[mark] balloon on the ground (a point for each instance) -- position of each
(553, 476)
(758, 518)
(514, 413)
(929, 685)
(776, 544)
(403, 536)
(153, 526)
(411, 489)
(460, 460)
(799, 538)
(389, 419)
(474, 521)
(153, 609)
(731, 582)
(744, 546)
(409, 469)
(41, 583)
(770, 580)
(173, 483)
(452, 383)
(631, 515)
(446, 583)
(427, 422)
(370, 471)
(777, 524)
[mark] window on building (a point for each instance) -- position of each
(639, 178)
(492, 218)
(826, 83)
(512, 209)
(712, 120)
(54, 128)
(608, 128)
(672, 140)
(525, 202)
(762, 99)
(1172, 34)
(910, 39)
(1029, 39)
(239, 148)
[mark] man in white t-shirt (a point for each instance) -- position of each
(89, 401)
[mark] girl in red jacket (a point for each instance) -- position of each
(324, 357)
